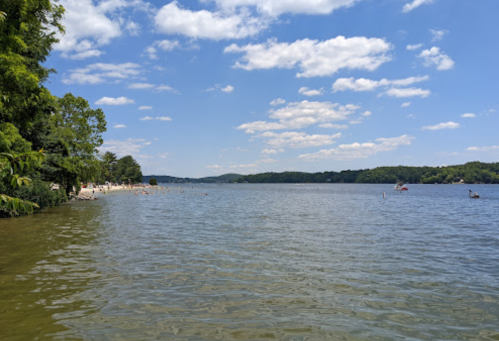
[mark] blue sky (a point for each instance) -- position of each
(206, 87)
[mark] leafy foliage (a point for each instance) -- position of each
(12, 169)
(153, 182)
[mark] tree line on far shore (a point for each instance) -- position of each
(471, 172)
(45, 139)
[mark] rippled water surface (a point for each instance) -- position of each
(256, 262)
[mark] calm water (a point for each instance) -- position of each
(257, 262)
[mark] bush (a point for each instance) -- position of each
(40, 193)
(153, 182)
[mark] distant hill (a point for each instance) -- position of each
(226, 178)
(471, 172)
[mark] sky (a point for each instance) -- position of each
(195, 88)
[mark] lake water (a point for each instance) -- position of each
(256, 262)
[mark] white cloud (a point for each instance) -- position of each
(89, 26)
(367, 113)
(269, 151)
(141, 86)
(437, 34)
(123, 147)
(483, 149)
(228, 89)
(145, 107)
(165, 45)
(159, 118)
(277, 101)
(168, 88)
(294, 139)
(310, 92)
(251, 127)
(114, 101)
(313, 57)
(362, 84)
(277, 7)
(133, 28)
(414, 47)
(415, 4)
(299, 115)
(407, 92)
(468, 115)
(213, 166)
(118, 126)
(163, 118)
(102, 72)
(434, 57)
(333, 126)
(405, 104)
(447, 125)
(172, 19)
(360, 150)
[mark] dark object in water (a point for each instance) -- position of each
(474, 196)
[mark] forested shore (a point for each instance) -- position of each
(471, 172)
(44, 139)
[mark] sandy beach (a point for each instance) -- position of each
(101, 189)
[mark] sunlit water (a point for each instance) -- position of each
(256, 262)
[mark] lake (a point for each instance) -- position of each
(256, 262)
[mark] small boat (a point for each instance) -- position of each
(474, 196)
(400, 187)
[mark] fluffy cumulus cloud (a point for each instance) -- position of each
(435, 57)
(102, 72)
(299, 115)
(114, 101)
(278, 7)
(314, 58)
(310, 92)
(89, 26)
(362, 84)
(415, 4)
(124, 147)
(407, 92)
(405, 104)
(360, 150)
(119, 126)
(294, 139)
(173, 19)
(468, 115)
(228, 89)
(440, 126)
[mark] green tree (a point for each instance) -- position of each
(109, 163)
(72, 142)
(27, 33)
(12, 170)
(153, 182)
(127, 168)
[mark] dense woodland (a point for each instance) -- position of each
(471, 172)
(45, 139)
